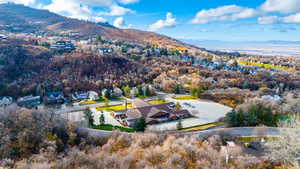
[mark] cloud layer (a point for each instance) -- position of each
(82, 9)
(282, 12)
(282, 6)
(120, 23)
(224, 13)
(169, 22)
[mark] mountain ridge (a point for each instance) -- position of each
(23, 19)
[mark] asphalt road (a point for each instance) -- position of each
(234, 132)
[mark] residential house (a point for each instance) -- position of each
(63, 45)
(105, 51)
(5, 101)
(84, 96)
(106, 93)
(117, 92)
(3, 37)
(152, 113)
(54, 97)
(29, 101)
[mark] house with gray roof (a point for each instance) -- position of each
(152, 113)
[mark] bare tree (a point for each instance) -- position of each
(287, 147)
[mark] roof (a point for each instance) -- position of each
(140, 103)
(55, 94)
(166, 107)
(133, 114)
(152, 113)
(181, 112)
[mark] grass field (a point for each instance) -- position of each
(253, 139)
(267, 66)
(185, 97)
(158, 101)
(203, 127)
(102, 99)
(113, 108)
(87, 102)
(108, 127)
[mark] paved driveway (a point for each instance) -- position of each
(204, 112)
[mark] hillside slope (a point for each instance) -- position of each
(19, 18)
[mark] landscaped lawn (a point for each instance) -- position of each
(185, 97)
(88, 102)
(203, 127)
(102, 99)
(108, 127)
(113, 108)
(158, 101)
(267, 66)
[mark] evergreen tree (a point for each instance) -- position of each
(107, 94)
(140, 124)
(177, 88)
(140, 91)
(147, 92)
(102, 119)
(88, 115)
(179, 125)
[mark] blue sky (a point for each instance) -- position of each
(231, 20)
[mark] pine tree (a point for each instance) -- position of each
(179, 125)
(140, 124)
(147, 92)
(88, 115)
(177, 89)
(102, 119)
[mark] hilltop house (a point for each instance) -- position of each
(29, 101)
(54, 97)
(84, 96)
(152, 113)
(5, 101)
(63, 45)
(105, 51)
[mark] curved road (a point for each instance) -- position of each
(234, 132)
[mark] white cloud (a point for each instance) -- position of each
(268, 19)
(82, 9)
(116, 10)
(283, 6)
(168, 23)
(24, 2)
(73, 9)
(292, 18)
(224, 13)
(128, 1)
(120, 23)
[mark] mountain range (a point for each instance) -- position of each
(23, 19)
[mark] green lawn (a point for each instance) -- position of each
(185, 97)
(254, 139)
(108, 127)
(158, 101)
(113, 108)
(102, 99)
